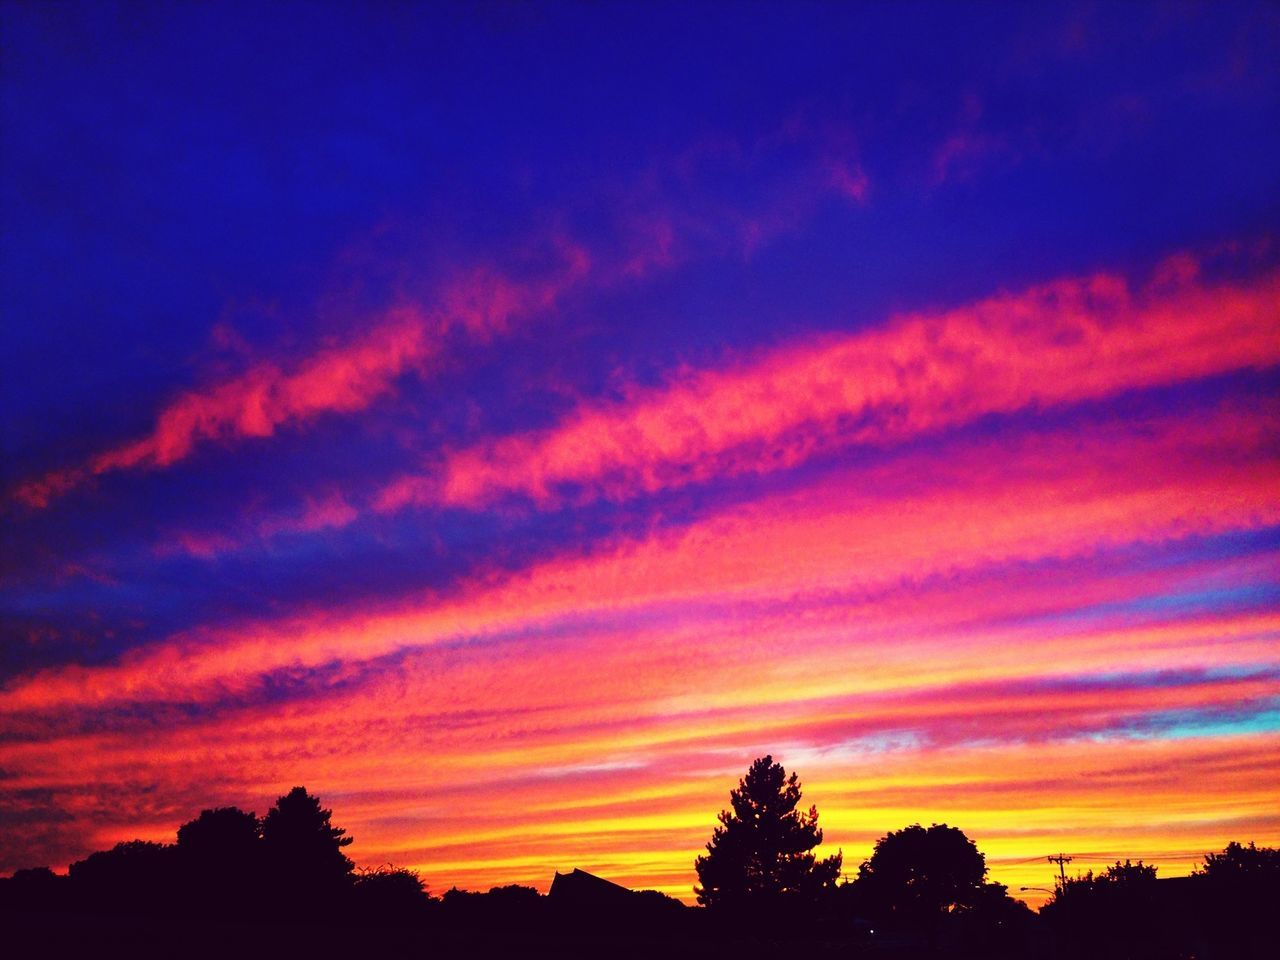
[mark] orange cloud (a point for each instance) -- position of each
(478, 796)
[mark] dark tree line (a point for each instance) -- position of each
(923, 891)
(922, 887)
(1224, 909)
(230, 864)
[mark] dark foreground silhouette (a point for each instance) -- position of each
(236, 885)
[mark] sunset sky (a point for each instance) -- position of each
(508, 421)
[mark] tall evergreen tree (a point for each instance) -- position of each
(762, 851)
(304, 852)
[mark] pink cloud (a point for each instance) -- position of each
(344, 378)
(966, 506)
(325, 513)
(1055, 344)
(318, 512)
(656, 233)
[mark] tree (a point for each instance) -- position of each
(137, 876)
(762, 850)
(221, 855)
(1235, 893)
(303, 850)
(389, 893)
(1113, 913)
(33, 889)
(222, 833)
(917, 875)
(1127, 874)
(1120, 881)
(1241, 864)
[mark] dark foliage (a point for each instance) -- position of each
(34, 888)
(511, 904)
(1238, 864)
(1235, 897)
(761, 854)
(993, 924)
(222, 835)
(137, 876)
(1119, 908)
(927, 885)
(302, 853)
(1126, 882)
(921, 873)
(282, 885)
(227, 866)
(389, 895)
(220, 855)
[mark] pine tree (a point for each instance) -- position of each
(762, 850)
(304, 852)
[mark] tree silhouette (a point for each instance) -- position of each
(1116, 912)
(221, 856)
(1235, 896)
(917, 875)
(389, 894)
(1118, 883)
(1238, 863)
(303, 850)
(223, 833)
(33, 889)
(762, 850)
(137, 876)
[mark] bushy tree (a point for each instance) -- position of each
(1120, 881)
(762, 852)
(1238, 863)
(918, 874)
(1235, 894)
(389, 894)
(1127, 874)
(221, 856)
(137, 876)
(1115, 912)
(223, 833)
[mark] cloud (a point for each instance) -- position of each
(1060, 343)
(317, 513)
(659, 226)
(965, 505)
(345, 378)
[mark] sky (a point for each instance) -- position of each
(510, 420)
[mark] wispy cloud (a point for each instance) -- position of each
(1057, 344)
(967, 504)
(346, 378)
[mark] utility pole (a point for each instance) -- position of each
(1061, 860)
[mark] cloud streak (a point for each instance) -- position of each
(971, 504)
(341, 379)
(1053, 345)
